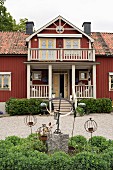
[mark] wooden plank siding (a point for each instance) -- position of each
(102, 77)
(15, 65)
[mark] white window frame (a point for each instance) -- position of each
(84, 72)
(72, 42)
(9, 81)
(39, 75)
(110, 75)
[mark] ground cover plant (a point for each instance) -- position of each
(31, 154)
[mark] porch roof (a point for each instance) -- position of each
(61, 65)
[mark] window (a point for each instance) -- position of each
(37, 75)
(110, 81)
(72, 43)
(5, 80)
(83, 75)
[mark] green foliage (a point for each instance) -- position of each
(78, 142)
(89, 161)
(26, 154)
(100, 105)
(7, 23)
(80, 111)
(61, 161)
(100, 142)
(23, 106)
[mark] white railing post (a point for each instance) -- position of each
(29, 51)
(93, 54)
(94, 81)
(28, 81)
(61, 52)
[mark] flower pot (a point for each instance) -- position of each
(43, 138)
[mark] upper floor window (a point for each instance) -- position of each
(5, 80)
(72, 43)
(110, 81)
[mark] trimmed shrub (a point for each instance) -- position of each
(23, 106)
(100, 105)
(61, 161)
(89, 161)
(100, 142)
(78, 142)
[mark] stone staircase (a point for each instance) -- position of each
(65, 106)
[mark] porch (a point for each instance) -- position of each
(61, 78)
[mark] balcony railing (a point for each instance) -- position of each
(84, 91)
(59, 54)
(39, 91)
(42, 91)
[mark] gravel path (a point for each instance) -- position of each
(14, 125)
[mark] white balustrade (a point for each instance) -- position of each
(39, 91)
(84, 91)
(61, 54)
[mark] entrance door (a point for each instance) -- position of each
(47, 45)
(60, 84)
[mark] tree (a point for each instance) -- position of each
(7, 23)
(21, 26)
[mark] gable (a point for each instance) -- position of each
(60, 26)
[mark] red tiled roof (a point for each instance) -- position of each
(103, 43)
(13, 43)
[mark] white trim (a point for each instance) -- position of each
(59, 17)
(28, 81)
(94, 81)
(7, 73)
(111, 73)
(73, 76)
(60, 35)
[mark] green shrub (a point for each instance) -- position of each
(100, 142)
(61, 161)
(78, 142)
(23, 106)
(100, 105)
(89, 161)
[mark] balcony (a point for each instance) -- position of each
(61, 54)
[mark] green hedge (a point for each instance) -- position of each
(23, 106)
(100, 105)
(20, 153)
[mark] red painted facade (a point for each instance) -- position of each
(102, 77)
(15, 65)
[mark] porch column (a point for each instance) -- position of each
(28, 81)
(94, 81)
(50, 85)
(50, 81)
(73, 76)
(73, 85)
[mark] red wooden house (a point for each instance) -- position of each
(57, 59)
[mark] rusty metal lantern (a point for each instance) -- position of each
(30, 120)
(43, 132)
(90, 126)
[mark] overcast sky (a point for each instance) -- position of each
(98, 12)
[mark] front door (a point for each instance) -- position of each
(46, 52)
(60, 84)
